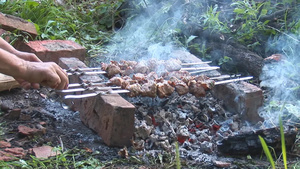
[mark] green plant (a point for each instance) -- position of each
(88, 23)
(283, 147)
(267, 151)
(210, 20)
(177, 158)
(225, 59)
(248, 14)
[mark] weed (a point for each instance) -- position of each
(283, 147)
(225, 59)
(177, 159)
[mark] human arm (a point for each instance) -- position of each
(45, 73)
(24, 55)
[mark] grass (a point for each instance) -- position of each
(283, 147)
(77, 21)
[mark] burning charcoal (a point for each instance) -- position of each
(138, 145)
(143, 131)
(164, 144)
(182, 116)
(148, 120)
(203, 136)
(206, 146)
(153, 137)
(123, 152)
(183, 133)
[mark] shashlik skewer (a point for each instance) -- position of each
(233, 80)
(95, 94)
(196, 63)
(88, 89)
(201, 68)
(161, 89)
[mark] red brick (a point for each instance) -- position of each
(110, 116)
(11, 23)
(52, 50)
(112, 119)
(242, 98)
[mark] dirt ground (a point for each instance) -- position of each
(64, 128)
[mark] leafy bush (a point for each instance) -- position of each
(88, 23)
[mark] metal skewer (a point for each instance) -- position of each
(196, 63)
(84, 85)
(202, 68)
(84, 71)
(220, 77)
(233, 80)
(95, 94)
(87, 89)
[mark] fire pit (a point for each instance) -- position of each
(156, 120)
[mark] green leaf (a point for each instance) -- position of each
(267, 151)
(192, 37)
(239, 11)
(283, 148)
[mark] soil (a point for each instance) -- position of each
(64, 128)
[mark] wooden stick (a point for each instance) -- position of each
(233, 80)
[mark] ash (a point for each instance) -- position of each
(197, 124)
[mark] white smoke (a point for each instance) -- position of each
(282, 78)
(148, 35)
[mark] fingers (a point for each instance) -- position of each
(58, 78)
(64, 81)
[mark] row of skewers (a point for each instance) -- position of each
(141, 79)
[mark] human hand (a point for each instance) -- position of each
(27, 56)
(45, 73)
